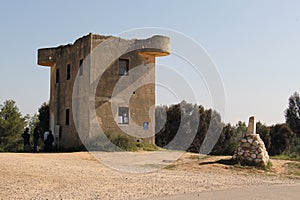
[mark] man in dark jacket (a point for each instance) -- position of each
(35, 139)
(26, 138)
(50, 140)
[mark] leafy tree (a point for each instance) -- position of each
(281, 139)
(292, 113)
(241, 129)
(201, 132)
(43, 117)
(184, 126)
(160, 122)
(166, 134)
(11, 127)
(33, 122)
(264, 133)
(214, 130)
(227, 142)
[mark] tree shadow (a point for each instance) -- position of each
(222, 161)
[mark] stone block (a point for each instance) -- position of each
(250, 159)
(257, 160)
(253, 147)
(259, 156)
(246, 144)
(256, 137)
(255, 143)
(246, 154)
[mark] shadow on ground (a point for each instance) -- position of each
(221, 161)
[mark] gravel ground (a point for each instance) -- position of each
(81, 176)
(278, 192)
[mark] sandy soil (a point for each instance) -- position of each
(273, 192)
(81, 176)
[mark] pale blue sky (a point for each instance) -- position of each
(255, 45)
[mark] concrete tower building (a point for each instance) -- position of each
(107, 78)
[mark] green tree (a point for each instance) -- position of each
(227, 142)
(160, 118)
(281, 139)
(33, 122)
(11, 127)
(214, 130)
(264, 133)
(184, 126)
(43, 117)
(241, 129)
(201, 131)
(166, 134)
(292, 113)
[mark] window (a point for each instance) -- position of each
(123, 67)
(123, 116)
(67, 117)
(80, 67)
(57, 76)
(68, 72)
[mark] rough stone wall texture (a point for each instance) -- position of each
(61, 90)
(251, 149)
(140, 102)
(59, 58)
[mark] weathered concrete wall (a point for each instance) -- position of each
(141, 101)
(61, 92)
(139, 53)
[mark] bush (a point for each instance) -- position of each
(146, 146)
(118, 142)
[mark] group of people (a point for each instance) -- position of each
(48, 140)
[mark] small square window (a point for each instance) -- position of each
(68, 72)
(123, 67)
(80, 67)
(123, 116)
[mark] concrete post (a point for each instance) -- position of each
(251, 126)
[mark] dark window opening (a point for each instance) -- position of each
(59, 135)
(123, 117)
(67, 117)
(68, 72)
(123, 67)
(80, 67)
(57, 76)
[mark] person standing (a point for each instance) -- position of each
(35, 139)
(50, 140)
(46, 133)
(26, 138)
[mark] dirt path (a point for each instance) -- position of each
(281, 192)
(81, 176)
